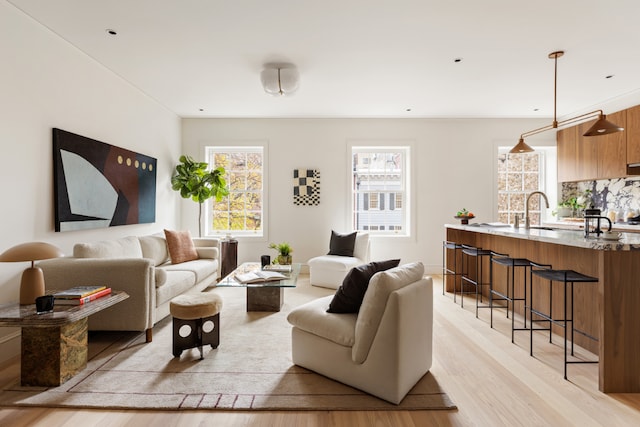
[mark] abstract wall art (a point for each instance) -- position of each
(99, 185)
(306, 187)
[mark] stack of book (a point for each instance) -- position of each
(79, 295)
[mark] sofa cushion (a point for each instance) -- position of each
(181, 247)
(382, 284)
(349, 295)
(161, 276)
(312, 317)
(126, 247)
(202, 268)
(342, 244)
(155, 248)
(334, 262)
(178, 282)
(361, 248)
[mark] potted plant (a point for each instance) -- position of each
(284, 253)
(195, 182)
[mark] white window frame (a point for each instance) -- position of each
(252, 146)
(406, 188)
(548, 177)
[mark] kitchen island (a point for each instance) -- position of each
(608, 310)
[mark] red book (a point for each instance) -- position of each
(84, 300)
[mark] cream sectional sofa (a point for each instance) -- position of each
(141, 267)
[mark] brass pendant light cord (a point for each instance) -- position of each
(602, 127)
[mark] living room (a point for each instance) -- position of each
(49, 83)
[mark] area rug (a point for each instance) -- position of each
(250, 370)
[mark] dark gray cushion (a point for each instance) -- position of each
(342, 244)
(350, 294)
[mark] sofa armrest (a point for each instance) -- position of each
(207, 247)
(135, 276)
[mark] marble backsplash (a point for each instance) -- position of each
(622, 195)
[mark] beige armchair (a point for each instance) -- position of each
(385, 349)
(328, 271)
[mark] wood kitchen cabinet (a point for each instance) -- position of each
(632, 130)
(567, 155)
(612, 149)
(583, 158)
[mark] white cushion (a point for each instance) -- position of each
(334, 262)
(381, 285)
(126, 247)
(161, 277)
(155, 248)
(313, 318)
(361, 249)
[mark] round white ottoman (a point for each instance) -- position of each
(196, 321)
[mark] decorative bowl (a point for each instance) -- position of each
(464, 219)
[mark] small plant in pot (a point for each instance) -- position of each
(284, 253)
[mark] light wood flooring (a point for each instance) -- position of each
(492, 381)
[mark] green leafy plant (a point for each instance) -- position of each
(576, 203)
(284, 252)
(283, 249)
(194, 181)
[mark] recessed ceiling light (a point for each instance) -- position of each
(457, 60)
(111, 32)
(610, 76)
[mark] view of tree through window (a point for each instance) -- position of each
(380, 189)
(241, 212)
(518, 175)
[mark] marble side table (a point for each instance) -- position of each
(54, 345)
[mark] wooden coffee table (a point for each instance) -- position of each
(54, 345)
(265, 296)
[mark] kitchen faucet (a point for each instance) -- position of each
(527, 221)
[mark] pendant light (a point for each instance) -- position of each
(601, 127)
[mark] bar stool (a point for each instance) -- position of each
(446, 271)
(568, 278)
(509, 295)
(479, 254)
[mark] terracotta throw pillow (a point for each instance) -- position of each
(349, 296)
(180, 245)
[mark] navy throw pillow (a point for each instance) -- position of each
(348, 298)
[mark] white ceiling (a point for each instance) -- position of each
(360, 58)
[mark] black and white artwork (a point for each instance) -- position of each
(306, 187)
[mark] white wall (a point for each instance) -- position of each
(453, 164)
(44, 83)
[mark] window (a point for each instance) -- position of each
(380, 189)
(519, 175)
(242, 211)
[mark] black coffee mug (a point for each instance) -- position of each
(265, 260)
(44, 304)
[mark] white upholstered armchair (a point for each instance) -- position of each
(328, 271)
(385, 349)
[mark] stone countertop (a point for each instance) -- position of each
(578, 223)
(627, 241)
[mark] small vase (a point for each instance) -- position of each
(284, 260)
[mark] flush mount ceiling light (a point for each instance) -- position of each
(279, 80)
(601, 127)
